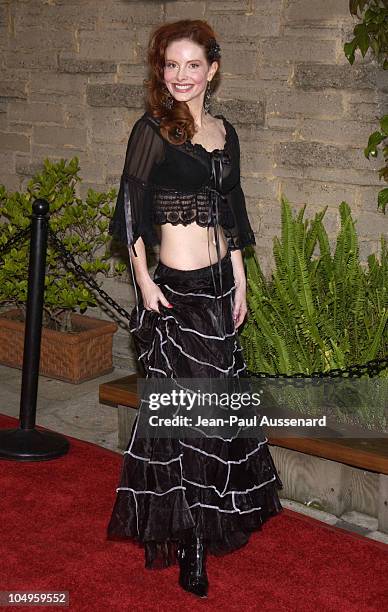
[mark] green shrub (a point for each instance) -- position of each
(81, 226)
(372, 34)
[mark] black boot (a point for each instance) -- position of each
(192, 562)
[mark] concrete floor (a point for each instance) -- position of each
(74, 410)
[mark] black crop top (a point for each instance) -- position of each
(179, 184)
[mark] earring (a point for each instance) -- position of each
(168, 100)
(206, 100)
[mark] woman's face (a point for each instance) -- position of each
(186, 70)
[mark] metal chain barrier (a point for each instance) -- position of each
(69, 262)
(371, 368)
(14, 240)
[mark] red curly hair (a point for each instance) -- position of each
(177, 123)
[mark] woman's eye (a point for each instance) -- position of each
(172, 64)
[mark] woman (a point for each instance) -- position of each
(182, 497)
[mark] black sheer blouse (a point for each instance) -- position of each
(179, 184)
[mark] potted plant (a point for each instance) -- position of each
(318, 313)
(74, 347)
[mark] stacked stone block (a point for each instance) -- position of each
(71, 84)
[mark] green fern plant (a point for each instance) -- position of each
(318, 314)
(315, 314)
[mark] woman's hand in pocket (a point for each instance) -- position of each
(152, 295)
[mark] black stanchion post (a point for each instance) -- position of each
(27, 443)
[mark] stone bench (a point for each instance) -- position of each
(336, 475)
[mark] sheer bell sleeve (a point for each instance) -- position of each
(239, 233)
(132, 216)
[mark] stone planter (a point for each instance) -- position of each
(70, 356)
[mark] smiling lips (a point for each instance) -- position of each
(182, 88)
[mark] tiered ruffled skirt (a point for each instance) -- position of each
(220, 489)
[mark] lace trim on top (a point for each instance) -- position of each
(198, 148)
(180, 208)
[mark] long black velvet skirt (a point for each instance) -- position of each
(220, 489)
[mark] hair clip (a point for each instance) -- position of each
(214, 50)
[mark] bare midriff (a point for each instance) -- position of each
(188, 247)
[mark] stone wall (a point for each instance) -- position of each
(71, 84)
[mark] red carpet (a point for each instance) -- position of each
(53, 520)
